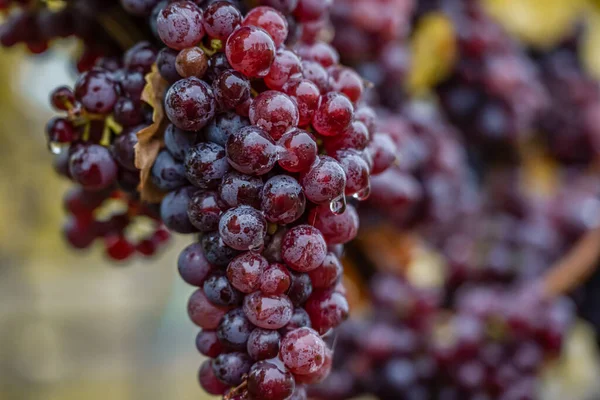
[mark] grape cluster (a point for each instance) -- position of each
(492, 346)
(95, 143)
(495, 94)
(429, 186)
(263, 145)
(36, 24)
(569, 124)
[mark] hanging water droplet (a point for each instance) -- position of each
(338, 205)
(363, 194)
(56, 147)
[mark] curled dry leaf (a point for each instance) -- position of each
(150, 139)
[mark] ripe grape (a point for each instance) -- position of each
(283, 201)
(190, 104)
(206, 164)
(179, 25)
(231, 89)
(230, 368)
(298, 150)
(251, 151)
(269, 380)
(246, 270)
(251, 51)
(193, 266)
(285, 67)
(268, 311)
(221, 18)
(275, 279)
(219, 291)
(96, 91)
(324, 181)
(274, 112)
(208, 344)
(168, 174)
(203, 313)
(263, 344)
(303, 248)
(334, 114)
(269, 19)
(303, 351)
(234, 330)
(243, 228)
(204, 211)
(93, 167)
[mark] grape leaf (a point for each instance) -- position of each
(151, 138)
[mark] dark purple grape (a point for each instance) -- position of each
(239, 189)
(204, 211)
(269, 380)
(217, 252)
(173, 210)
(168, 174)
(190, 104)
(251, 151)
(140, 57)
(219, 291)
(193, 266)
(165, 61)
(263, 344)
(231, 89)
(178, 142)
(220, 128)
(96, 91)
(230, 368)
(300, 319)
(234, 330)
(208, 344)
(93, 167)
(300, 289)
(205, 164)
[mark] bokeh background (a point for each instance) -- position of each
(74, 326)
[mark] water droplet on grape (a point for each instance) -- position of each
(57, 148)
(338, 205)
(363, 194)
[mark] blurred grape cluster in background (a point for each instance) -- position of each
(469, 152)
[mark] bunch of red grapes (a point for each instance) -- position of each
(275, 126)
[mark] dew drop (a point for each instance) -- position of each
(338, 205)
(57, 148)
(363, 194)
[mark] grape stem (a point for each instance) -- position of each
(575, 267)
(237, 390)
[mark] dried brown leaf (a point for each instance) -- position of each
(150, 139)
